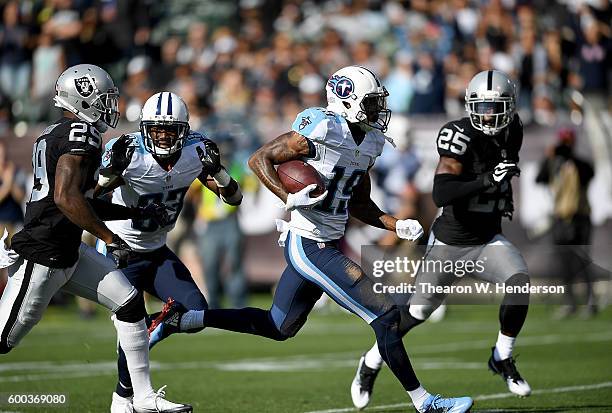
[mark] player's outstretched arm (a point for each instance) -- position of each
(70, 199)
(284, 148)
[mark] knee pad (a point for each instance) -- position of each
(4, 348)
(286, 330)
(132, 311)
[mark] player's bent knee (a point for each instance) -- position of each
(387, 326)
(132, 311)
(421, 311)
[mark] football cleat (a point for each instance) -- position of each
(507, 369)
(363, 384)
(121, 404)
(166, 322)
(436, 404)
(157, 403)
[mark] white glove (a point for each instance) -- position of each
(409, 229)
(302, 199)
(504, 170)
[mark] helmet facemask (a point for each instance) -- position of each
(490, 115)
(374, 112)
(108, 106)
(164, 138)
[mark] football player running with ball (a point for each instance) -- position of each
(157, 165)
(342, 143)
(47, 254)
(478, 158)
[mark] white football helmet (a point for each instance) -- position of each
(90, 93)
(490, 100)
(164, 124)
(355, 93)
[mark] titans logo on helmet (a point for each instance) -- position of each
(342, 86)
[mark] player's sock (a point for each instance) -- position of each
(503, 347)
(373, 358)
(418, 397)
(124, 384)
(134, 341)
(244, 320)
(389, 338)
(192, 320)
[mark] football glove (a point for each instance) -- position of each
(155, 211)
(409, 229)
(503, 171)
(211, 160)
(302, 199)
(120, 251)
(120, 156)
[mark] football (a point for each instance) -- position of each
(296, 175)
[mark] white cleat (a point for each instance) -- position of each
(519, 387)
(363, 384)
(157, 403)
(121, 404)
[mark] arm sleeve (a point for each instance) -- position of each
(108, 211)
(449, 188)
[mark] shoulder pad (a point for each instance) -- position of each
(307, 120)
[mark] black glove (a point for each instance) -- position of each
(503, 171)
(211, 160)
(120, 156)
(155, 211)
(120, 251)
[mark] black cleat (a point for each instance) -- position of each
(363, 384)
(507, 369)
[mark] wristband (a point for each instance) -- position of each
(222, 178)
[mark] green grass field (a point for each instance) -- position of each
(567, 363)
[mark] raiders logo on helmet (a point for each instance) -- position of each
(83, 86)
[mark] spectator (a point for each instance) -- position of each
(568, 177)
(12, 192)
(221, 242)
(14, 54)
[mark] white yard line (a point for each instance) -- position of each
(37, 371)
(493, 396)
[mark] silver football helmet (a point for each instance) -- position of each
(90, 93)
(490, 101)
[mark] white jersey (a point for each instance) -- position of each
(341, 162)
(146, 182)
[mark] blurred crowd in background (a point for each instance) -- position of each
(264, 60)
(246, 68)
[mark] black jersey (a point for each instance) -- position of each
(48, 237)
(476, 219)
